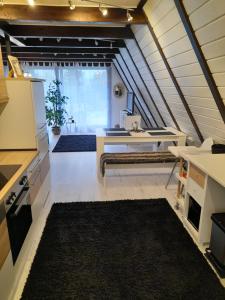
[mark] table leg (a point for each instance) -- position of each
(99, 152)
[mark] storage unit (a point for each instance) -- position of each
(23, 120)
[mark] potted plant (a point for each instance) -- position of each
(55, 111)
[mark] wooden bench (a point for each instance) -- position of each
(133, 158)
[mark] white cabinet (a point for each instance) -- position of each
(204, 196)
(23, 117)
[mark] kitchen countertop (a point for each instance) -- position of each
(23, 158)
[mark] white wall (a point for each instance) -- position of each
(117, 104)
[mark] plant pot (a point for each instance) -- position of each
(56, 130)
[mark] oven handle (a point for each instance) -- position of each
(24, 191)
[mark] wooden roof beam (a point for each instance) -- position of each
(16, 50)
(85, 15)
(72, 43)
(21, 56)
(70, 32)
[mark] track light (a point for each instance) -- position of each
(104, 11)
(96, 43)
(31, 2)
(71, 4)
(129, 17)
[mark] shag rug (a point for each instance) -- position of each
(132, 249)
(76, 143)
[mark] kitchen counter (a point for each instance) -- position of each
(23, 158)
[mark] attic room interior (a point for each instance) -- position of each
(112, 149)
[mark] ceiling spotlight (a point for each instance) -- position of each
(111, 46)
(80, 39)
(55, 54)
(71, 4)
(41, 39)
(96, 43)
(95, 54)
(31, 2)
(104, 11)
(58, 40)
(129, 17)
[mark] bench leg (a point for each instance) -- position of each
(171, 174)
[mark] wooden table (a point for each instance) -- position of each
(136, 138)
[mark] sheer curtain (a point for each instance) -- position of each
(87, 90)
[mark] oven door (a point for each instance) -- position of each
(19, 219)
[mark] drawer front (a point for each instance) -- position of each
(195, 191)
(4, 242)
(35, 183)
(197, 175)
(45, 165)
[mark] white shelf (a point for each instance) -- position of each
(182, 179)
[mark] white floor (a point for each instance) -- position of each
(73, 179)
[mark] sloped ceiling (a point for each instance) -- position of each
(208, 20)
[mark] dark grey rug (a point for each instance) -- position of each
(119, 250)
(76, 143)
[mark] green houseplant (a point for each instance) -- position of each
(55, 111)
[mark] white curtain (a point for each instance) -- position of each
(87, 89)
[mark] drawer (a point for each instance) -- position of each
(35, 183)
(45, 166)
(195, 191)
(197, 175)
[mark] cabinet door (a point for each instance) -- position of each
(39, 104)
(45, 165)
(4, 242)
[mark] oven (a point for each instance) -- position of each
(19, 215)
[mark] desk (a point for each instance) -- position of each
(135, 138)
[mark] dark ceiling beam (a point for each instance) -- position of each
(4, 32)
(145, 85)
(63, 56)
(70, 32)
(16, 50)
(37, 59)
(131, 88)
(138, 89)
(157, 85)
(34, 42)
(201, 58)
(141, 4)
(25, 13)
(172, 76)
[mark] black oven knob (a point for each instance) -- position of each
(11, 198)
(23, 180)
